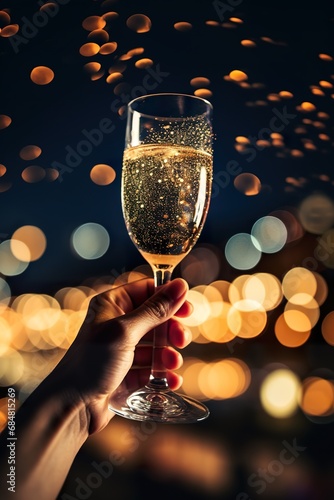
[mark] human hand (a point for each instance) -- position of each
(112, 346)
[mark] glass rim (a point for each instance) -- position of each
(169, 94)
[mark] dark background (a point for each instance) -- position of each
(53, 117)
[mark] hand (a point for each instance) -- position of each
(112, 346)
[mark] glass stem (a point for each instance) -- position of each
(158, 376)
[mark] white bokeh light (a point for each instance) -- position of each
(90, 241)
(270, 234)
(241, 252)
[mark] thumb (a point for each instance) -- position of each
(158, 308)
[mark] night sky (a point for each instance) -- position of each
(268, 70)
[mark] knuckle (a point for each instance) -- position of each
(158, 308)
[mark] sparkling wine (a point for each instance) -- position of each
(166, 191)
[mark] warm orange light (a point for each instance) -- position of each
(204, 93)
(9, 30)
(4, 18)
(5, 121)
(200, 81)
(144, 63)
(183, 26)
(325, 84)
(240, 139)
(114, 77)
(139, 23)
(96, 76)
(98, 36)
(33, 174)
(34, 238)
(238, 75)
(30, 152)
(327, 328)
(248, 184)
(307, 106)
(110, 16)
(247, 318)
(285, 94)
(137, 51)
(318, 396)
(51, 174)
(108, 48)
(93, 23)
(102, 174)
(42, 75)
(301, 313)
(212, 23)
(92, 67)
(248, 43)
(289, 337)
(89, 49)
(325, 57)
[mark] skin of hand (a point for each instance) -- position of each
(113, 347)
(114, 344)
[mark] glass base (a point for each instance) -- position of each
(163, 406)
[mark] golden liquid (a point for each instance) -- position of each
(165, 197)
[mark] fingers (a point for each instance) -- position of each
(178, 335)
(157, 309)
(171, 358)
(139, 377)
(185, 310)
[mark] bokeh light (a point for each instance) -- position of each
(9, 264)
(42, 75)
(9, 30)
(144, 63)
(5, 121)
(280, 393)
(30, 152)
(200, 266)
(264, 288)
(102, 174)
(316, 213)
(11, 367)
(289, 336)
(246, 183)
(317, 396)
(90, 240)
(91, 23)
(140, 23)
(34, 238)
(98, 36)
(293, 226)
(200, 81)
(265, 296)
(299, 280)
(270, 234)
(247, 318)
(183, 26)
(201, 307)
(5, 293)
(327, 328)
(89, 49)
(33, 174)
(238, 75)
(241, 252)
(108, 48)
(301, 312)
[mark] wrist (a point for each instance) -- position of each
(51, 426)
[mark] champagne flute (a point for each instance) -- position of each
(166, 188)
